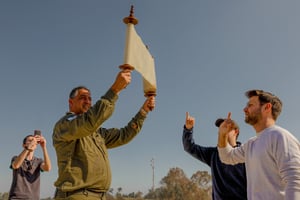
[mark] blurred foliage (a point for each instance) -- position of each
(174, 186)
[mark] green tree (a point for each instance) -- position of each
(203, 179)
(176, 186)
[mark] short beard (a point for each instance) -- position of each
(251, 120)
(254, 118)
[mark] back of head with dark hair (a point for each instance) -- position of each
(267, 97)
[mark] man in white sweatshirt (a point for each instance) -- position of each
(272, 157)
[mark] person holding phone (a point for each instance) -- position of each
(26, 168)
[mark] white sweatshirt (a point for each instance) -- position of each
(272, 160)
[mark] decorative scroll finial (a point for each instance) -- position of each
(131, 19)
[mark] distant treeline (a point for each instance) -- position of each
(174, 186)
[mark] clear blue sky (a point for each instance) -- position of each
(207, 54)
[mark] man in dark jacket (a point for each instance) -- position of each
(228, 181)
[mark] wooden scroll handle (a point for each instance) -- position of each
(149, 94)
(126, 66)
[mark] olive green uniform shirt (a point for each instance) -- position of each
(81, 146)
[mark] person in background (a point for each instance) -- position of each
(26, 169)
(81, 142)
(272, 157)
(228, 181)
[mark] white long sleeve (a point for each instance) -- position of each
(272, 161)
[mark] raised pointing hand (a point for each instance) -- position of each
(189, 121)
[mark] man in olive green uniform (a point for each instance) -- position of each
(81, 143)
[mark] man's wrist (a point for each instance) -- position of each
(188, 128)
(222, 141)
(143, 111)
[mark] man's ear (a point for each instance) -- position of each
(70, 102)
(268, 106)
